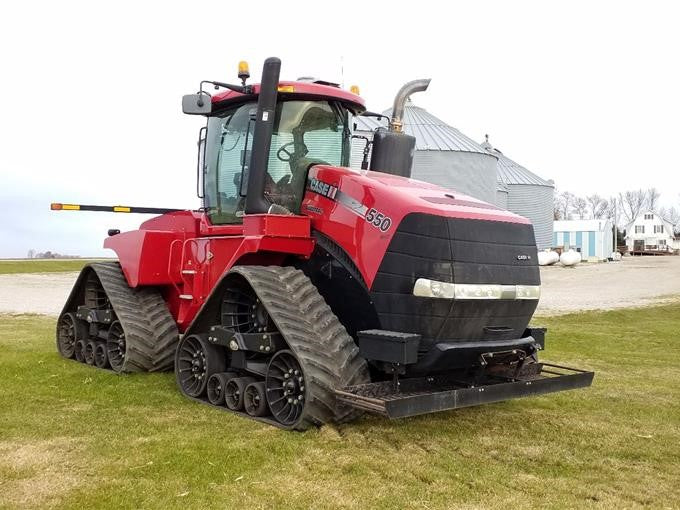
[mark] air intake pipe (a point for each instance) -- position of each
(262, 137)
(393, 150)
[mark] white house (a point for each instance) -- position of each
(649, 232)
(594, 239)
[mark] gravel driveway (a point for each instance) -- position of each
(43, 293)
(635, 281)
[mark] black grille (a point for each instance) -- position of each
(459, 251)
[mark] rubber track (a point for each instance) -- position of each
(150, 331)
(328, 355)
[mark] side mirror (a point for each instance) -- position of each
(196, 104)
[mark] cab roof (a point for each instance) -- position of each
(293, 89)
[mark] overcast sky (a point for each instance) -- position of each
(585, 93)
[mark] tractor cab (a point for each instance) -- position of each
(310, 124)
(305, 133)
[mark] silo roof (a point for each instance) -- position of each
(511, 172)
(431, 133)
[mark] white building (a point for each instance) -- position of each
(594, 239)
(649, 232)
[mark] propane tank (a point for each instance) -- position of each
(570, 258)
(547, 257)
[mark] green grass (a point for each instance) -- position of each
(42, 265)
(76, 437)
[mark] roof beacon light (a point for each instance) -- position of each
(243, 71)
(354, 89)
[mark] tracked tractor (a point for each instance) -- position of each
(304, 292)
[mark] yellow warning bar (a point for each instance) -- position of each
(120, 208)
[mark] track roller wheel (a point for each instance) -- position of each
(196, 361)
(216, 385)
(89, 352)
(234, 391)
(69, 331)
(116, 346)
(101, 358)
(285, 387)
(79, 350)
(255, 399)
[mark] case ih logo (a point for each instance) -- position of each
(322, 188)
(523, 257)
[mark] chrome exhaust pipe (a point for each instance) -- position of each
(396, 122)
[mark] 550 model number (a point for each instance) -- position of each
(378, 220)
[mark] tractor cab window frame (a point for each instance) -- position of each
(306, 133)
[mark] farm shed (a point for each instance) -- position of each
(593, 238)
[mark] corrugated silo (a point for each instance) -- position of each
(444, 156)
(528, 195)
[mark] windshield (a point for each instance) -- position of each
(305, 133)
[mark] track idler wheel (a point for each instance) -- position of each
(196, 361)
(285, 387)
(89, 352)
(69, 331)
(79, 350)
(116, 346)
(235, 390)
(101, 358)
(255, 399)
(216, 386)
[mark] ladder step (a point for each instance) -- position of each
(186, 296)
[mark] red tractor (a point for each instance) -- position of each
(304, 292)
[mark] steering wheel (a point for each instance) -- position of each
(283, 150)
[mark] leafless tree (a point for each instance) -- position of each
(672, 216)
(580, 206)
(563, 205)
(652, 196)
(607, 209)
(31, 253)
(596, 206)
(631, 203)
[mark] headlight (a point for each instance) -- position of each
(528, 291)
(465, 291)
(433, 288)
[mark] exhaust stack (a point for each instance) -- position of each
(393, 150)
(402, 96)
(262, 137)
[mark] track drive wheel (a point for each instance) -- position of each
(285, 388)
(196, 360)
(69, 331)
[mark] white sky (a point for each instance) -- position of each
(585, 93)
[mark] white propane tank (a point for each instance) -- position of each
(616, 256)
(547, 257)
(570, 258)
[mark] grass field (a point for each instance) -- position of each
(42, 265)
(75, 437)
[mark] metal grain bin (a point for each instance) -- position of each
(528, 195)
(444, 156)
